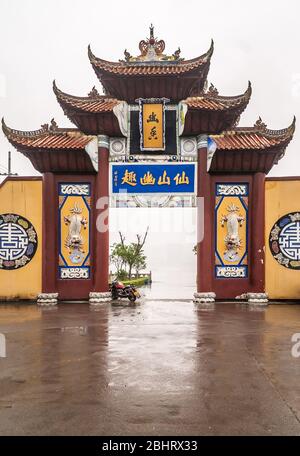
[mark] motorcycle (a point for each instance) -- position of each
(119, 290)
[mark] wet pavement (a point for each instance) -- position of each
(158, 368)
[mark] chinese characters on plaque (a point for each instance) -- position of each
(152, 124)
(157, 178)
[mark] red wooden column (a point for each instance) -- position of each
(101, 229)
(205, 254)
(257, 254)
(49, 242)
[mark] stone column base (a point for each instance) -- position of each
(208, 297)
(259, 299)
(97, 298)
(47, 299)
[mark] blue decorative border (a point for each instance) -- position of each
(60, 256)
(237, 267)
(235, 189)
(78, 268)
(239, 196)
(75, 184)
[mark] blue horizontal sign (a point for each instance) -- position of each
(158, 178)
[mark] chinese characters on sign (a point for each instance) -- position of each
(152, 125)
(162, 178)
(152, 119)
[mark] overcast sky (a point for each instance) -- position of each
(254, 40)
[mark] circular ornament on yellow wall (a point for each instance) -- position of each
(18, 241)
(284, 240)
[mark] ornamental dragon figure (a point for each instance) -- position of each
(232, 239)
(74, 240)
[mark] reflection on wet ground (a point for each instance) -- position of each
(160, 368)
(169, 290)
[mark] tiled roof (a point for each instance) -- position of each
(254, 138)
(47, 138)
(100, 103)
(154, 68)
(53, 149)
(94, 103)
(212, 101)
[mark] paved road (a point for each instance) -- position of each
(159, 368)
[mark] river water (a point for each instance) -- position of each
(169, 247)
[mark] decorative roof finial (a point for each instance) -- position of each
(53, 125)
(152, 34)
(260, 125)
(127, 55)
(152, 51)
(176, 54)
(45, 127)
(93, 93)
(151, 48)
(212, 90)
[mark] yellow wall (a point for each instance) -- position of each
(282, 197)
(23, 197)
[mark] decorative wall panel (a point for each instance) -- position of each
(231, 230)
(284, 240)
(74, 230)
(18, 241)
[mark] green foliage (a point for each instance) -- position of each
(122, 274)
(136, 282)
(128, 257)
(140, 263)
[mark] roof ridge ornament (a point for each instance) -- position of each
(45, 127)
(53, 125)
(260, 125)
(212, 90)
(152, 51)
(127, 56)
(52, 128)
(93, 93)
(151, 48)
(176, 54)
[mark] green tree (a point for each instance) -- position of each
(117, 257)
(140, 263)
(129, 256)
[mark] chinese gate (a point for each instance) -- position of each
(160, 129)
